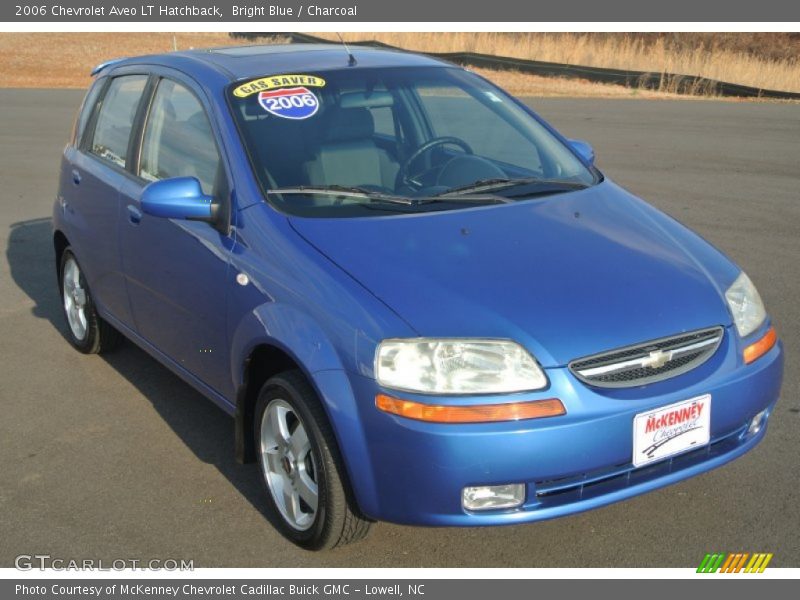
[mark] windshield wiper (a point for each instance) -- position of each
(501, 183)
(343, 191)
(340, 191)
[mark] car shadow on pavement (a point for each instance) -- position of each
(32, 264)
(203, 427)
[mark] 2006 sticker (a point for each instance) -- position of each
(289, 103)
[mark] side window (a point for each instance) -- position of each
(87, 107)
(178, 141)
(115, 121)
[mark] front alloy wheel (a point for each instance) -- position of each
(309, 497)
(288, 464)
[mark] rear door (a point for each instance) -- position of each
(176, 269)
(92, 174)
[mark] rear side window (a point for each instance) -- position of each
(115, 121)
(178, 141)
(86, 110)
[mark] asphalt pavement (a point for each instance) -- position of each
(113, 457)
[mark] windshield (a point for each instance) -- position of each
(361, 142)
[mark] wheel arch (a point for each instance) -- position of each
(60, 243)
(274, 338)
(264, 361)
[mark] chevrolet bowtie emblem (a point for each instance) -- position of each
(656, 359)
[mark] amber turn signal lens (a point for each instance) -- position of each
(761, 347)
(483, 413)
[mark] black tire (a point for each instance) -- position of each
(99, 336)
(337, 520)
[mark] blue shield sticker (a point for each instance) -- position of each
(289, 103)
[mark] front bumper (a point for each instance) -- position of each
(416, 471)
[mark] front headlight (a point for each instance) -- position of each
(457, 366)
(746, 306)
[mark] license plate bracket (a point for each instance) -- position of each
(670, 430)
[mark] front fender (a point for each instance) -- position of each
(306, 342)
(287, 328)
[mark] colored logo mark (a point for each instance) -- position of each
(741, 562)
(289, 103)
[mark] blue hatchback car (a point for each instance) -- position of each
(420, 303)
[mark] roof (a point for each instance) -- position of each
(242, 62)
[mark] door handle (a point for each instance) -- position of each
(134, 214)
(76, 177)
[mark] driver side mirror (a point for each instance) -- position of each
(584, 149)
(178, 198)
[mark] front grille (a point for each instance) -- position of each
(650, 361)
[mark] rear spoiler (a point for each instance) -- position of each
(105, 64)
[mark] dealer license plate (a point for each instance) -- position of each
(670, 430)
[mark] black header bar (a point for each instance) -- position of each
(438, 11)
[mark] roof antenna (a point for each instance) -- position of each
(351, 60)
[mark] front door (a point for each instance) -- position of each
(176, 269)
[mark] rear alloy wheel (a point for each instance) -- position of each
(74, 299)
(307, 489)
(86, 330)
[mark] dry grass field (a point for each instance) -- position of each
(769, 61)
(64, 60)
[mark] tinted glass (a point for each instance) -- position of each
(337, 128)
(453, 112)
(384, 123)
(178, 141)
(115, 121)
(89, 103)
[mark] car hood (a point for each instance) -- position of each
(569, 275)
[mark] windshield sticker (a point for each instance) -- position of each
(275, 82)
(289, 103)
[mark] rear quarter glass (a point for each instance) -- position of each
(87, 108)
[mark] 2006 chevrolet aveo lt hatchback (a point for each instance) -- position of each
(420, 303)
